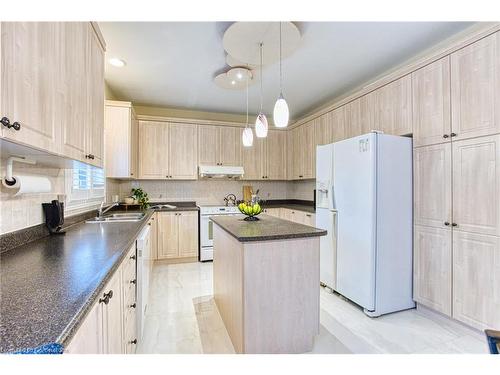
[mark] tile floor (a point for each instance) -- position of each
(182, 318)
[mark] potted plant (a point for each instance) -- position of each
(142, 198)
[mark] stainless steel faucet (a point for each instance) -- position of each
(103, 211)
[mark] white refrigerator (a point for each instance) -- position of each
(371, 192)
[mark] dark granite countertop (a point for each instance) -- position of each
(293, 204)
(48, 285)
(266, 229)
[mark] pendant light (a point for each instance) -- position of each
(261, 126)
(247, 136)
(281, 114)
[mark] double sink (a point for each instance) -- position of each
(118, 218)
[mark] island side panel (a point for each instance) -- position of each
(281, 295)
(228, 284)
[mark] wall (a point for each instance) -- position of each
(214, 191)
(26, 210)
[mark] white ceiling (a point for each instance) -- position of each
(172, 64)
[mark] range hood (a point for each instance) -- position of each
(219, 171)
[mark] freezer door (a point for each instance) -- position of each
(355, 198)
(324, 166)
(326, 219)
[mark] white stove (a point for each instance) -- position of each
(207, 230)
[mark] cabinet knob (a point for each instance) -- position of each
(132, 257)
(134, 341)
(132, 306)
(446, 223)
(446, 136)
(6, 122)
(454, 224)
(133, 281)
(106, 297)
(453, 134)
(301, 176)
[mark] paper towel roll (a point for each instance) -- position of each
(29, 185)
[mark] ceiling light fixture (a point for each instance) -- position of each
(233, 82)
(247, 136)
(261, 125)
(119, 63)
(281, 113)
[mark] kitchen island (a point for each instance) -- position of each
(266, 283)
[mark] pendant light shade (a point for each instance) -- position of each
(247, 137)
(281, 114)
(261, 126)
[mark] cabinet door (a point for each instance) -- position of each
(337, 122)
(395, 107)
(323, 129)
(133, 147)
(432, 268)
(253, 160)
(432, 194)
(208, 145)
(476, 279)
(112, 316)
(475, 97)
(95, 106)
(230, 145)
(275, 152)
(154, 236)
(308, 150)
(188, 234)
(296, 157)
(88, 339)
(476, 185)
(361, 115)
(183, 151)
(431, 103)
(168, 235)
(29, 65)
(118, 137)
(153, 150)
(72, 95)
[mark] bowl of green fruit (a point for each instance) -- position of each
(251, 210)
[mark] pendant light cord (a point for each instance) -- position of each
(281, 74)
(246, 125)
(261, 74)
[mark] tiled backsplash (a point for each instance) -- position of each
(26, 210)
(214, 191)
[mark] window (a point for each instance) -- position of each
(84, 185)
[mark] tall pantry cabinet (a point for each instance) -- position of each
(456, 112)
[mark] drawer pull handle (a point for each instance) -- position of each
(453, 134)
(106, 297)
(454, 224)
(446, 223)
(446, 136)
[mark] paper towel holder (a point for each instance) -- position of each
(9, 178)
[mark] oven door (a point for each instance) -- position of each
(207, 231)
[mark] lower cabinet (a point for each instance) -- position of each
(109, 327)
(476, 279)
(177, 235)
(296, 216)
(432, 268)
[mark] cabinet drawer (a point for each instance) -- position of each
(130, 331)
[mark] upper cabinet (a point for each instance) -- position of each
(95, 99)
(153, 150)
(183, 151)
(361, 115)
(219, 145)
(475, 83)
(431, 103)
(168, 150)
(275, 155)
(394, 105)
(29, 82)
(303, 151)
(121, 133)
(266, 159)
(53, 87)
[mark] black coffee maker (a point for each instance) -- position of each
(54, 216)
